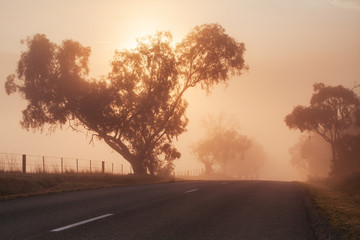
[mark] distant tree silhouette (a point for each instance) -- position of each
(221, 148)
(138, 109)
(221, 145)
(311, 155)
(250, 164)
(332, 114)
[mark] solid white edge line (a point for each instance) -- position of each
(192, 190)
(81, 223)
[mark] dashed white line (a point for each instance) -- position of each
(192, 190)
(81, 223)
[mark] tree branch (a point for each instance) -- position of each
(120, 147)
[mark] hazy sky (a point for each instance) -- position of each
(290, 45)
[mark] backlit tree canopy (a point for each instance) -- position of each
(138, 109)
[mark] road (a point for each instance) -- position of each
(181, 210)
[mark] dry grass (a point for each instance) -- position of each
(338, 199)
(15, 185)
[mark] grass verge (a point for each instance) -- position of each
(16, 185)
(338, 200)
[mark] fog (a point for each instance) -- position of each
(290, 45)
(311, 155)
(252, 166)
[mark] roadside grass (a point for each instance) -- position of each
(16, 185)
(338, 200)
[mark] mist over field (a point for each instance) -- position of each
(289, 47)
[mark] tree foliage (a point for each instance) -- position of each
(332, 113)
(138, 109)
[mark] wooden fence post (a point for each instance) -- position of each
(90, 166)
(103, 166)
(43, 164)
(77, 165)
(24, 163)
(62, 165)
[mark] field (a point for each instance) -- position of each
(15, 185)
(338, 200)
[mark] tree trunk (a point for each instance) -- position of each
(138, 168)
(135, 163)
(152, 172)
(208, 168)
(334, 163)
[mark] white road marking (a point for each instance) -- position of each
(81, 223)
(192, 190)
(224, 183)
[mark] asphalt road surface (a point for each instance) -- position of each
(182, 210)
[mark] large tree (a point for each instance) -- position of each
(332, 114)
(138, 109)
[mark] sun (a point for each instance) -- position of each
(128, 40)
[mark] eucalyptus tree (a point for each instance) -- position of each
(333, 113)
(138, 109)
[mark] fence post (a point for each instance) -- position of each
(62, 165)
(103, 167)
(77, 165)
(90, 166)
(112, 168)
(43, 164)
(24, 163)
(122, 169)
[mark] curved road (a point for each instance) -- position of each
(181, 210)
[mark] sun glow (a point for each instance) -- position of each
(137, 30)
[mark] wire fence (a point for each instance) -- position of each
(190, 173)
(10, 162)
